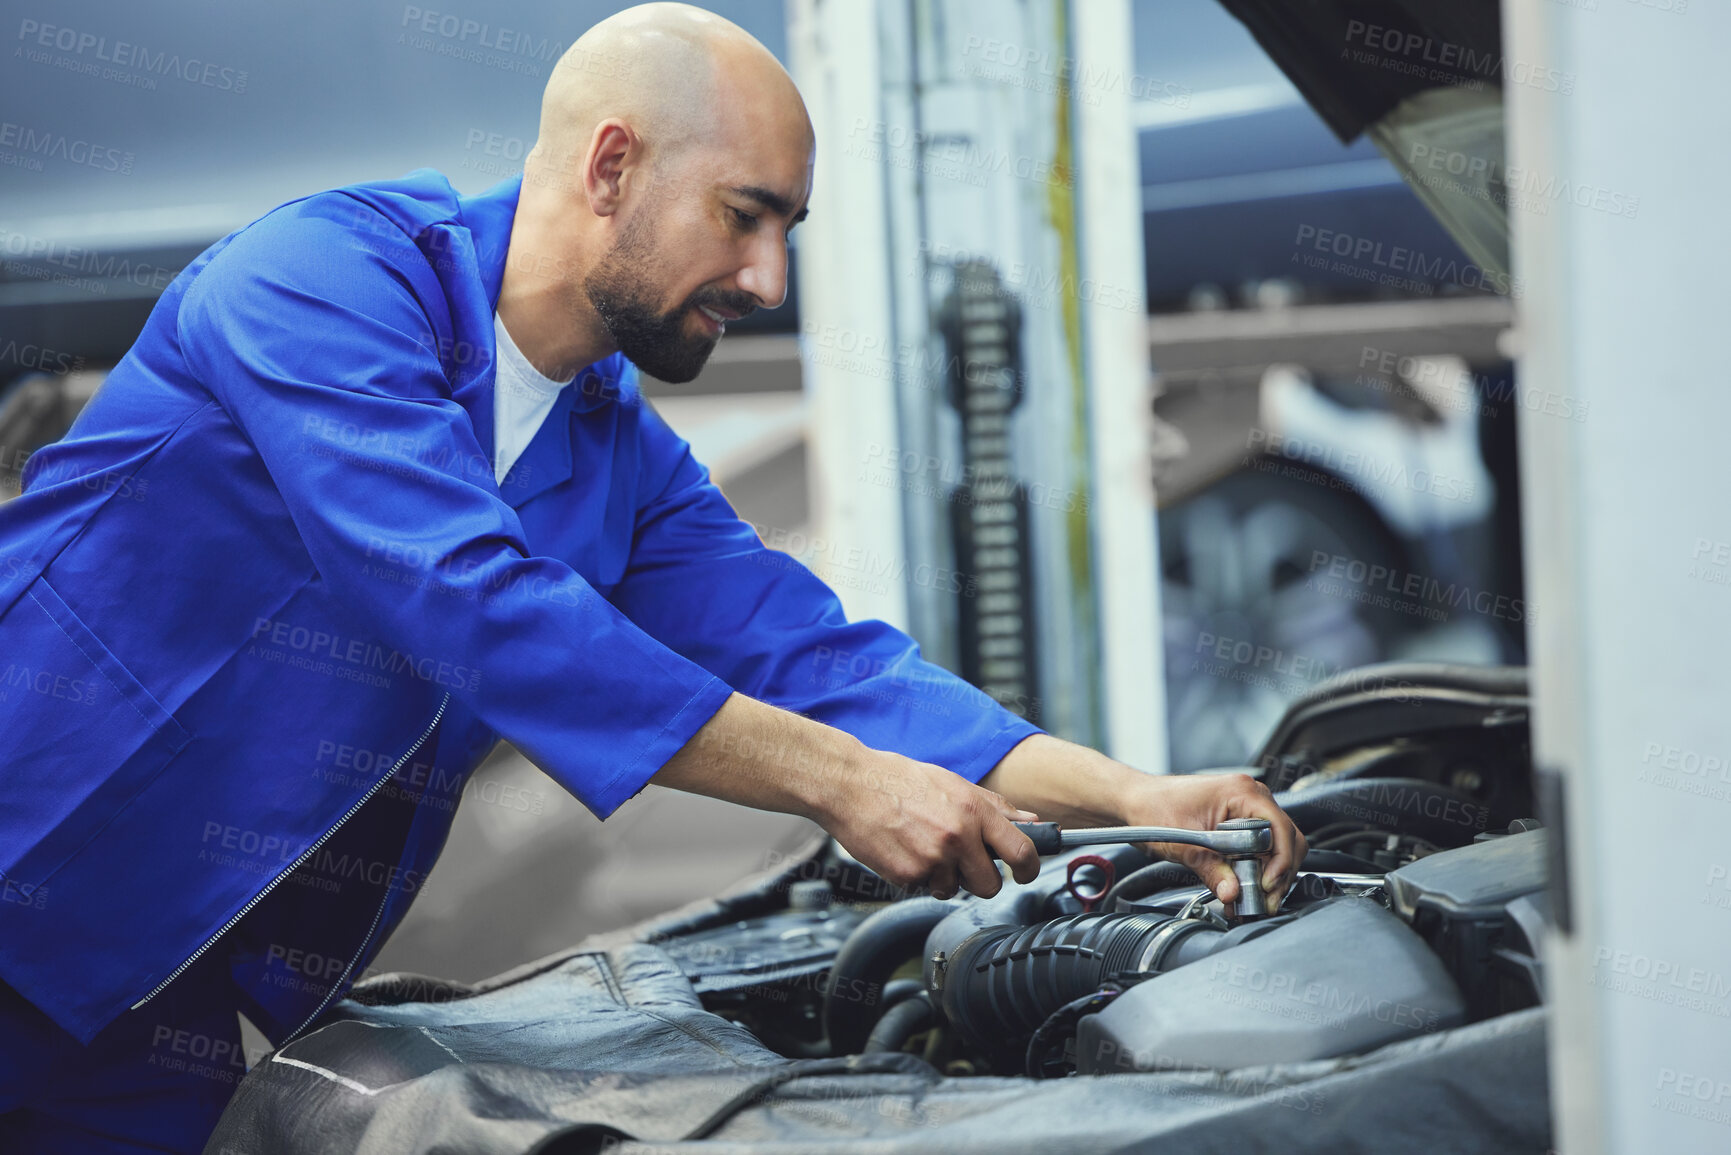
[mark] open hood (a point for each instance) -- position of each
(1423, 79)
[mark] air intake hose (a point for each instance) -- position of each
(1002, 982)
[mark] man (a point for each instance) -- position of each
(336, 525)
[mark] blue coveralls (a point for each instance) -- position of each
(274, 536)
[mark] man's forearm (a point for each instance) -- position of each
(1065, 783)
(758, 755)
(914, 823)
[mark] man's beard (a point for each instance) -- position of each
(656, 343)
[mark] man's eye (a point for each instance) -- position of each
(744, 219)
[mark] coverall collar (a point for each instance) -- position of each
(488, 216)
(548, 460)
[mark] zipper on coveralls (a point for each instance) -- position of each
(303, 856)
(344, 977)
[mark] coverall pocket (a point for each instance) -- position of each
(79, 737)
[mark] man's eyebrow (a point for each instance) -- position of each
(770, 199)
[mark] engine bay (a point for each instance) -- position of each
(1419, 908)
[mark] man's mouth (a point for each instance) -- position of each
(717, 318)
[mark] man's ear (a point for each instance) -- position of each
(610, 149)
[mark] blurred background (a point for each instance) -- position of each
(1328, 403)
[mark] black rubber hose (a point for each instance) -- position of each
(1438, 814)
(884, 941)
(1163, 875)
(1150, 879)
(893, 992)
(1338, 862)
(901, 1023)
(898, 989)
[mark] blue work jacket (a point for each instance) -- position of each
(269, 568)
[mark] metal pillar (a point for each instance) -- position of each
(973, 346)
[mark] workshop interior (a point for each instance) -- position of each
(1323, 391)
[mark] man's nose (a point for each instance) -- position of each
(765, 274)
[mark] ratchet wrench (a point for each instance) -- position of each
(1242, 842)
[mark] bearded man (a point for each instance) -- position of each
(376, 488)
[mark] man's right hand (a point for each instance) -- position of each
(914, 824)
(920, 826)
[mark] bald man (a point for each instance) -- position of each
(376, 488)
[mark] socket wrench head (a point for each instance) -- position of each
(1252, 899)
(1247, 868)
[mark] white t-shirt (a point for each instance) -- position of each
(522, 398)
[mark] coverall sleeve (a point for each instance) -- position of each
(701, 580)
(318, 340)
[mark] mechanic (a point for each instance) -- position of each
(378, 476)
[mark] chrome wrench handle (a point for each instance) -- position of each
(1243, 842)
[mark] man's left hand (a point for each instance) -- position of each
(1203, 802)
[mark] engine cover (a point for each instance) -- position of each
(1345, 977)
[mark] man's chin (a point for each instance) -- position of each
(675, 370)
